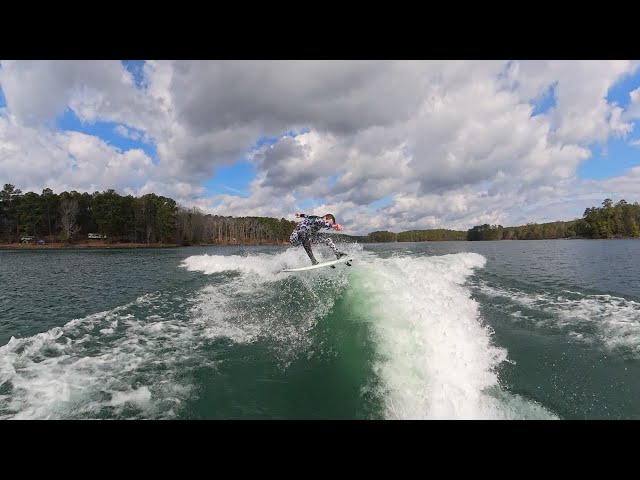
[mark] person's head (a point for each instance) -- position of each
(329, 217)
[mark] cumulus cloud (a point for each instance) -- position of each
(128, 133)
(34, 158)
(450, 144)
(633, 110)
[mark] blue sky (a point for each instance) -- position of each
(135, 67)
(232, 180)
(236, 178)
(360, 118)
(546, 101)
(106, 131)
(610, 160)
(616, 156)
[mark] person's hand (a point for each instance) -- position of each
(337, 226)
(297, 215)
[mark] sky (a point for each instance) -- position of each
(383, 145)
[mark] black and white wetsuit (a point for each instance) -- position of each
(307, 232)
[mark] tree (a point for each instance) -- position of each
(605, 222)
(68, 214)
(9, 200)
(383, 236)
(29, 212)
(107, 210)
(628, 217)
(49, 206)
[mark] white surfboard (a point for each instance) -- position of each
(319, 265)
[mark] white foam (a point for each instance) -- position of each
(259, 264)
(140, 396)
(437, 360)
(436, 357)
(127, 361)
(519, 315)
(612, 321)
(263, 266)
(71, 372)
(264, 303)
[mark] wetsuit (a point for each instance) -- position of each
(307, 232)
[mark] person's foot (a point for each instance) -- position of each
(314, 261)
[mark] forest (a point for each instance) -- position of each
(113, 218)
(73, 216)
(608, 221)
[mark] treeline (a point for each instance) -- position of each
(196, 227)
(608, 221)
(72, 216)
(414, 236)
(531, 231)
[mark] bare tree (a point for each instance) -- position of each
(69, 212)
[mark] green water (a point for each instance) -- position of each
(539, 329)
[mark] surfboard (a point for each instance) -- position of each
(320, 265)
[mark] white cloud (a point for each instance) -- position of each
(582, 113)
(34, 158)
(127, 133)
(451, 143)
(181, 192)
(633, 110)
(625, 186)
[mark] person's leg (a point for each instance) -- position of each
(315, 239)
(294, 241)
(298, 238)
(329, 243)
(306, 243)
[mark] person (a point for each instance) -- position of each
(307, 232)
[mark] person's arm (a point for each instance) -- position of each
(318, 220)
(315, 220)
(326, 223)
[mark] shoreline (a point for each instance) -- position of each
(103, 246)
(130, 245)
(80, 246)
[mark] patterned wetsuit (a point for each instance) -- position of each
(307, 232)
